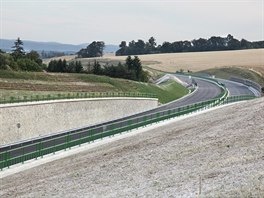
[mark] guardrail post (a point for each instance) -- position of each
(157, 116)
(104, 128)
(23, 156)
(65, 143)
(129, 124)
(41, 149)
(69, 141)
(2, 161)
(91, 135)
(6, 160)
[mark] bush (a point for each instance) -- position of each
(26, 64)
(7, 62)
(2, 62)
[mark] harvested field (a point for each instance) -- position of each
(220, 152)
(196, 61)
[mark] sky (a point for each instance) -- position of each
(112, 21)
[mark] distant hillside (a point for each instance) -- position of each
(6, 44)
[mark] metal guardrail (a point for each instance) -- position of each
(79, 137)
(77, 95)
(247, 82)
(34, 150)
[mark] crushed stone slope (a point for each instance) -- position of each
(222, 149)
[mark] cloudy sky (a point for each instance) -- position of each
(82, 21)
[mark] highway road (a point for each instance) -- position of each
(234, 88)
(237, 89)
(205, 91)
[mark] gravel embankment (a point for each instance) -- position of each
(225, 148)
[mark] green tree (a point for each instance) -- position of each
(140, 47)
(122, 44)
(122, 50)
(71, 67)
(34, 56)
(152, 42)
(129, 63)
(78, 67)
(245, 44)
(97, 68)
(137, 66)
(64, 66)
(18, 50)
(3, 61)
(52, 66)
(26, 64)
(95, 49)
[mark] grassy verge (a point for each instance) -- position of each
(173, 90)
(13, 84)
(227, 72)
(166, 92)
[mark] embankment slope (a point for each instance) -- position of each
(224, 147)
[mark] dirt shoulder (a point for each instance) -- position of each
(224, 147)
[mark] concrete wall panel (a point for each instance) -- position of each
(47, 117)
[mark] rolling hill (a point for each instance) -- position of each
(6, 45)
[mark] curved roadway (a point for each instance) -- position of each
(205, 91)
(236, 89)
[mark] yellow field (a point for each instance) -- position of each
(196, 61)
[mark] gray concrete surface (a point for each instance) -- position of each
(29, 120)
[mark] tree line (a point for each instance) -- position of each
(51, 54)
(215, 43)
(132, 70)
(95, 49)
(20, 60)
(64, 67)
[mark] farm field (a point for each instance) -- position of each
(223, 157)
(193, 61)
(223, 64)
(196, 61)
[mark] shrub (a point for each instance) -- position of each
(26, 64)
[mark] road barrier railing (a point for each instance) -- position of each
(77, 95)
(247, 82)
(9, 157)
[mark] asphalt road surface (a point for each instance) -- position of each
(236, 89)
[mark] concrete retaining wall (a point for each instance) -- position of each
(29, 120)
